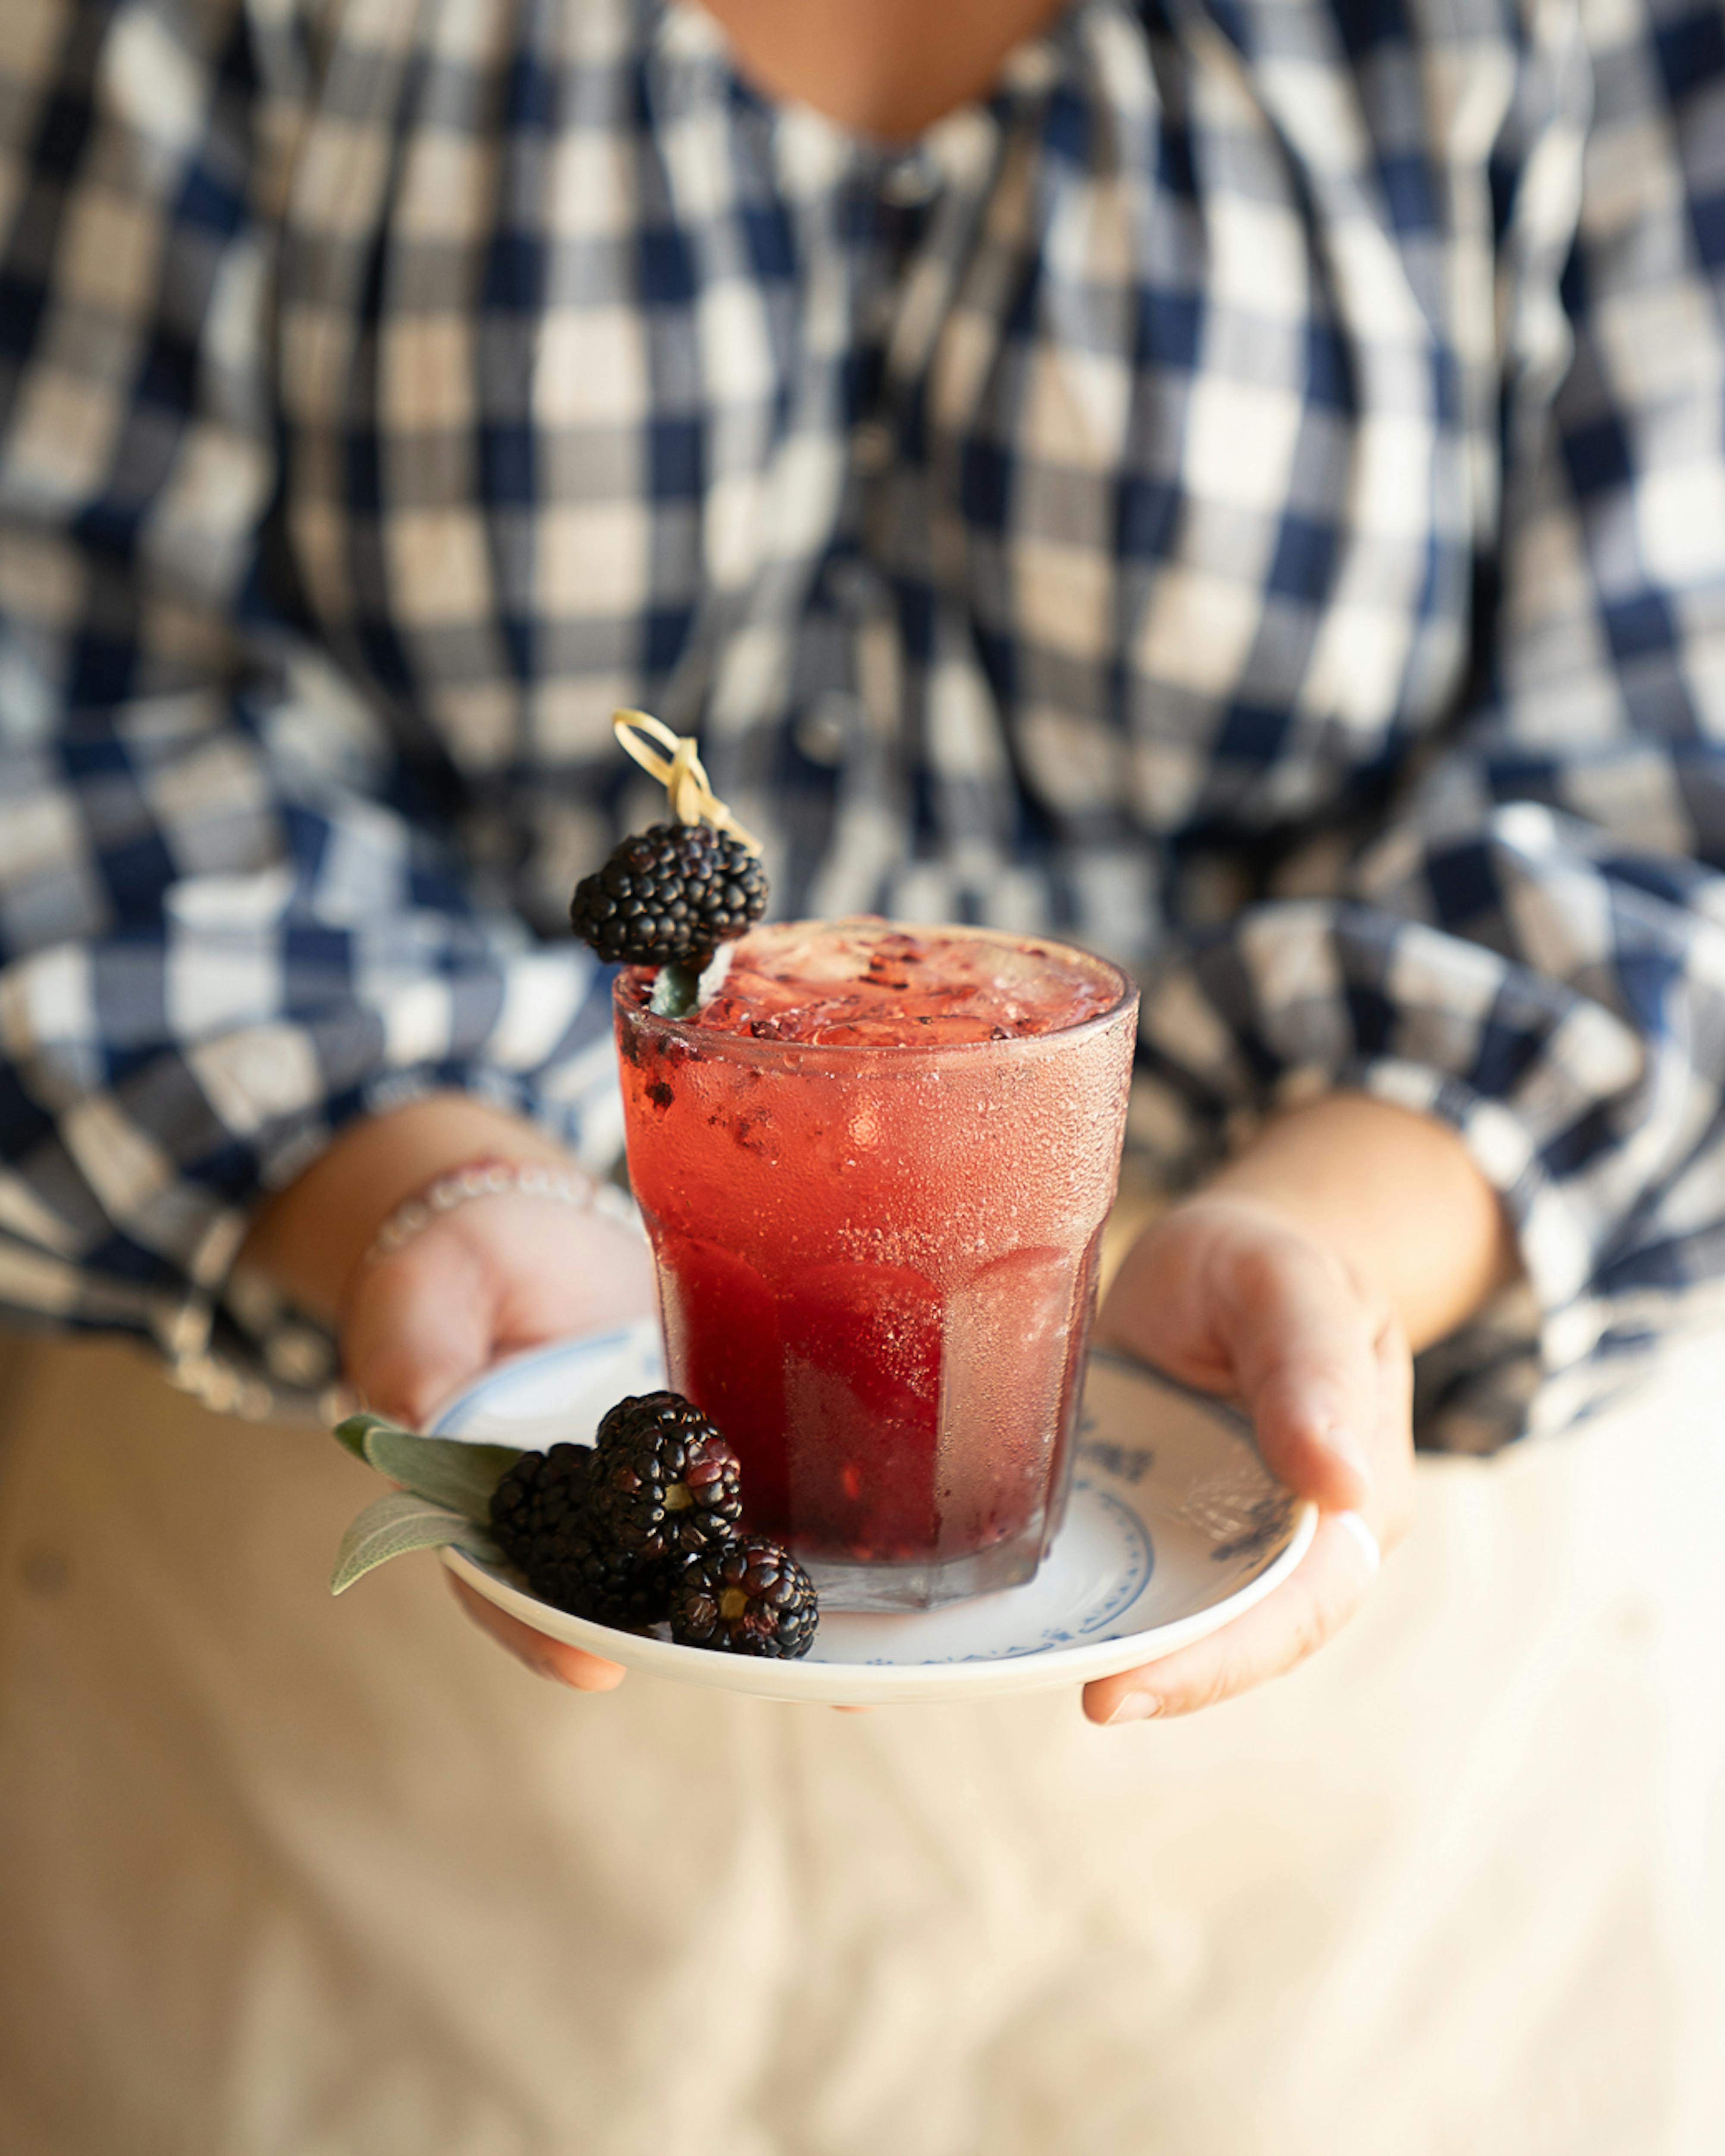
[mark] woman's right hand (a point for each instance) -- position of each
(489, 1278)
(500, 1274)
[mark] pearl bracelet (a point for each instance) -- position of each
(489, 1177)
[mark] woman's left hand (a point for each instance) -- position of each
(1236, 1297)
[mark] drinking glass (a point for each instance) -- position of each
(877, 1263)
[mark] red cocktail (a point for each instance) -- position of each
(874, 1167)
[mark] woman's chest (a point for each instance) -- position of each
(1159, 396)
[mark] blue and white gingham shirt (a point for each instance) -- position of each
(1249, 496)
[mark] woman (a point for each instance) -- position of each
(1239, 485)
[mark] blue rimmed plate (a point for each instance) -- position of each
(1174, 1527)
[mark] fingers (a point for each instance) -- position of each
(1392, 1505)
(1226, 1294)
(482, 1281)
(536, 1651)
(1304, 1350)
(1229, 1293)
(418, 1326)
(1329, 1584)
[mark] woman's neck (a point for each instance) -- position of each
(886, 68)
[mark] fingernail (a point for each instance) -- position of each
(1364, 1535)
(1135, 1706)
(1348, 1450)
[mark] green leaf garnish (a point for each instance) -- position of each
(398, 1523)
(441, 1469)
(352, 1433)
(676, 991)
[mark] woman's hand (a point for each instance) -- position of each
(1298, 1284)
(501, 1273)
(1227, 1294)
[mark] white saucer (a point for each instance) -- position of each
(1174, 1527)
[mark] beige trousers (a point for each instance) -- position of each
(281, 1877)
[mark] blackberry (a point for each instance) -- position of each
(665, 1482)
(538, 1497)
(749, 1598)
(669, 895)
(542, 1516)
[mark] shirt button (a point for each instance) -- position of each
(856, 589)
(871, 447)
(821, 733)
(879, 312)
(909, 181)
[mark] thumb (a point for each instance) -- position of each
(416, 1327)
(1304, 1355)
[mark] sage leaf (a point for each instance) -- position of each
(352, 1433)
(442, 1468)
(400, 1522)
(676, 991)
(461, 1476)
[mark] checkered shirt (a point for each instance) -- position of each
(1247, 496)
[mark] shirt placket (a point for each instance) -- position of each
(908, 839)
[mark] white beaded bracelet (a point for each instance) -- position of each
(491, 1177)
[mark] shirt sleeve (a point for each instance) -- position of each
(1533, 948)
(232, 917)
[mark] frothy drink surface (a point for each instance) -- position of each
(870, 984)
